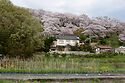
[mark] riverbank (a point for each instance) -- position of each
(65, 64)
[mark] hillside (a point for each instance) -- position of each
(20, 31)
(56, 23)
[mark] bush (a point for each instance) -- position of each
(102, 55)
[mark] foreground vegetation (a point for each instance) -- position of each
(68, 81)
(55, 63)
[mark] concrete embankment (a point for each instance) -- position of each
(16, 76)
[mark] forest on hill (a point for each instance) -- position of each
(22, 30)
(101, 30)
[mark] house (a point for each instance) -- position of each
(121, 49)
(103, 48)
(122, 37)
(64, 41)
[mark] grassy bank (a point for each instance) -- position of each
(68, 81)
(55, 63)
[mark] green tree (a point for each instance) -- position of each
(111, 40)
(103, 41)
(19, 31)
(86, 48)
(79, 33)
(75, 48)
(48, 42)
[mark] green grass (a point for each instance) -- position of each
(68, 81)
(7, 81)
(55, 63)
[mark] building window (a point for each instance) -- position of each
(67, 41)
(61, 41)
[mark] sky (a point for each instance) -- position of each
(93, 8)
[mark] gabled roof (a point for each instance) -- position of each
(104, 47)
(67, 37)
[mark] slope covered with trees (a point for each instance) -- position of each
(98, 30)
(20, 32)
(57, 23)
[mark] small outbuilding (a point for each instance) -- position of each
(103, 48)
(121, 49)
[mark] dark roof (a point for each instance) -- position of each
(67, 37)
(104, 47)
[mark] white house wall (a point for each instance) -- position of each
(67, 42)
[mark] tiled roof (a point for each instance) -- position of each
(67, 37)
(104, 47)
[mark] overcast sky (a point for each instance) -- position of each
(93, 8)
